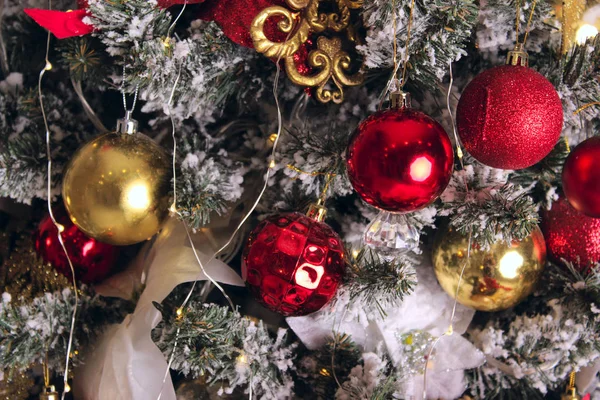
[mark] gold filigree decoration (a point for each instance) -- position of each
(329, 61)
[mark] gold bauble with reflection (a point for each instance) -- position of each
(494, 279)
(116, 188)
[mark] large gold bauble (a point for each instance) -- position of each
(116, 188)
(494, 279)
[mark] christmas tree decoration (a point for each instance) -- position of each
(510, 116)
(115, 188)
(494, 279)
(15, 385)
(293, 263)
(333, 32)
(92, 260)
(581, 177)
(571, 392)
(23, 276)
(63, 24)
(571, 235)
(399, 160)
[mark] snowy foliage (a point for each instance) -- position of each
(439, 35)
(480, 201)
(41, 325)
(230, 348)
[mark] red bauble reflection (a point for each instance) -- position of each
(399, 160)
(509, 117)
(92, 260)
(571, 235)
(293, 264)
(581, 177)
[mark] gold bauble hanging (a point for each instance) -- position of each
(494, 279)
(116, 187)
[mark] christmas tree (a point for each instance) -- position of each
(300, 199)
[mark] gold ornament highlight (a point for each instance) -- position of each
(493, 279)
(116, 187)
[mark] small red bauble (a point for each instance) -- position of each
(399, 160)
(581, 177)
(571, 235)
(92, 260)
(509, 117)
(293, 264)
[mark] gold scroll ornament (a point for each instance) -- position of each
(328, 59)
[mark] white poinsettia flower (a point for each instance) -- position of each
(428, 310)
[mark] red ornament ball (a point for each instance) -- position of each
(571, 235)
(509, 117)
(581, 177)
(399, 160)
(293, 264)
(92, 260)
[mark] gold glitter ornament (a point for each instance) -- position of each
(116, 186)
(24, 276)
(15, 386)
(494, 279)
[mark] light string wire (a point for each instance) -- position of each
(181, 310)
(459, 152)
(59, 228)
(450, 329)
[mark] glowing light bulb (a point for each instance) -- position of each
(585, 32)
(137, 196)
(420, 169)
(510, 264)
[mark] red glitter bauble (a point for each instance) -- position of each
(571, 235)
(399, 160)
(235, 17)
(92, 260)
(581, 177)
(509, 117)
(293, 264)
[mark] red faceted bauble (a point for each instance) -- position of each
(293, 264)
(571, 235)
(92, 260)
(581, 177)
(399, 160)
(509, 117)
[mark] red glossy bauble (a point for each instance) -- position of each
(293, 264)
(571, 235)
(92, 260)
(581, 177)
(399, 160)
(509, 117)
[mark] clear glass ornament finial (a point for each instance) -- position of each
(391, 235)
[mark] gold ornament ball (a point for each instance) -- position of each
(116, 188)
(494, 279)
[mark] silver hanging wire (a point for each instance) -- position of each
(59, 228)
(450, 329)
(135, 96)
(181, 310)
(459, 152)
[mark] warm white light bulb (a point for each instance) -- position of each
(585, 32)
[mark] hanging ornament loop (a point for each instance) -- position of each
(518, 56)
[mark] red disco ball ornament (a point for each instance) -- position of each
(293, 264)
(571, 235)
(509, 117)
(92, 260)
(399, 160)
(581, 177)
